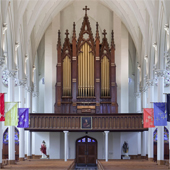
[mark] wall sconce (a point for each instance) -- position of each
(155, 46)
(166, 28)
(34, 68)
(4, 28)
(26, 57)
(146, 57)
(16, 46)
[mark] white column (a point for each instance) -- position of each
(150, 131)
(21, 130)
(143, 144)
(138, 104)
(34, 110)
(65, 145)
(161, 98)
(11, 129)
(106, 145)
(29, 105)
(48, 61)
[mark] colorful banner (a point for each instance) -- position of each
(2, 109)
(148, 118)
(168, 107)
(160, 114)
(23, 114)
(11, 114)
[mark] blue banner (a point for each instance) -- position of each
(160, 114)
(23, 117)
(168, 107)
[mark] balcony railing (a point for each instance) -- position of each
(100, 122)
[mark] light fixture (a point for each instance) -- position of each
(4, 28)
(16, 46)
(146, 57)
(155, 45)
(166, 28)
(34, 68)
(26, 57)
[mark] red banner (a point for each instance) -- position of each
(2, 107)
(148, 118)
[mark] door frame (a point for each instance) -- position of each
(86, 143)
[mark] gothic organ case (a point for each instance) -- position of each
(86, 73)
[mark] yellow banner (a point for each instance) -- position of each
(11, 114)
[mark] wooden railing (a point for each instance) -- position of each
(72, 122)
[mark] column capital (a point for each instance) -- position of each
(12, 73)
(106, 132)
(138, 95)
(65, 132)
(2, 62)
(22, 82)
(29, 89)
(150, 82)
(160, 73)
(35, 94)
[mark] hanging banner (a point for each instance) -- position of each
(2, 108)
(11, 114)
(148, 118)
(160, 114)
(23, 117)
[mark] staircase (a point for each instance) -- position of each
(85, 167)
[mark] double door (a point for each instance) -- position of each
(86, 151)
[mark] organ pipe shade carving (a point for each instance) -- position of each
(86, 71)
(105, 77)
(66, 76)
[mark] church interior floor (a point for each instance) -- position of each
(39, 164)
(131, 165)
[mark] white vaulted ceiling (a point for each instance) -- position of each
(38, 14)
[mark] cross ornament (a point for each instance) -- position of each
(104, 33)
(157, 119)
(164, 117)
(86, 10)
(160, 113)
(67, 33)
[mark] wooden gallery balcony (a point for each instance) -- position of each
(99, 122)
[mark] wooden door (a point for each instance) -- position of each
(86, 151)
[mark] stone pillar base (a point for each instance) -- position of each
(160, 162)
(28, 157)
(11, 162)
(21, 159)
(0, 165)
(150, 159)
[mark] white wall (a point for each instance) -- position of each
(39, 137)
(54, 150)
(124, 70)
(132, 139)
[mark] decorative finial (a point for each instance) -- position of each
(97, 30)
(86, 10)
(97, 27)
(112, 40)
(59, 39)
(67, 33)
(74, 30)
(104, 33)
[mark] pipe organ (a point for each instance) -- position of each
(86, 73)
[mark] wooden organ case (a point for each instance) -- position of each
(86, 73)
